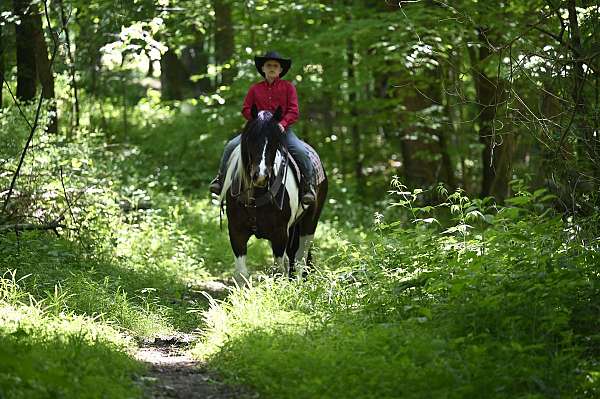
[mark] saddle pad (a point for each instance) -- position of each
(317, 164)
(318, 171)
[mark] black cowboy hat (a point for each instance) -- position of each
(273, 55)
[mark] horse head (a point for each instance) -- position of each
(261, 139)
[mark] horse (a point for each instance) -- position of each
(262, 198)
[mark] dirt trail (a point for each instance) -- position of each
(174, 374)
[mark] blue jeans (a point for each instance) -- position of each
(294, 145)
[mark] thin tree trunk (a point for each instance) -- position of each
(496, 154)
(93, 41)
(1, 64)
(447, 167)
(590, 143)
(71, 60)
(195, 59)
(44, 71)
(172, 76)
(224, 40)
(26, 66)
(355, 132)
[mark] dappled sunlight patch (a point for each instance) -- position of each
(248, 309)
(65, 355)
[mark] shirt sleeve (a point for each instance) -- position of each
(291, 113)
(248, 101)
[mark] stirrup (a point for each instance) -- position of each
(308, 195)
(216, 186)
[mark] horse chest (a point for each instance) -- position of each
(263, 222)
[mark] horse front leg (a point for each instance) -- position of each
(292, 249)
(278, 245)
(302, 255)
(239, 244)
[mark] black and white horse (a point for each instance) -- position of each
(262, 198)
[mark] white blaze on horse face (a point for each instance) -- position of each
(301, 256)
(262, 167)
(264, 115)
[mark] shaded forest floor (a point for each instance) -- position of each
(464, 299)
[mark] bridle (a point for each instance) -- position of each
(245, 195)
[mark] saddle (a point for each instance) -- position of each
(275, 193)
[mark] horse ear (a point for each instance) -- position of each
(254, 111)
(278, 114)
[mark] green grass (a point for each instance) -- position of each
(414, 313)
(60, 354)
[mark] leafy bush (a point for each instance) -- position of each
(502, 302)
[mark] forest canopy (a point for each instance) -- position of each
(472, 94)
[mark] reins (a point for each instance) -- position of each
(270, 196)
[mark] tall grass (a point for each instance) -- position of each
(509, 310)
(50, 353)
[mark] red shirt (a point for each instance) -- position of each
(268, 97)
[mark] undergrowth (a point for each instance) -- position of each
(503, 302)
(121, 267)
(47, 351)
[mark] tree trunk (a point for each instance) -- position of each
(71, 60)
(447, 167)
(172, 76)
(355, 135)
(195, 59)
(425, 155)
(26, 66)
(44, 71)
(92, 41)
(497, 151)
(589, 141)
(224, 41)
(1, 65)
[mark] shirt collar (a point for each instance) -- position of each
(274, 82)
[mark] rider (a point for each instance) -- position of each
(268, 95)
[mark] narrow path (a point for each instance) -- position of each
(174, 374)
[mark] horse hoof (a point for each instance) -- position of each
(241, 280)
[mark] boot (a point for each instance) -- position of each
(307, 193)
(216, 185)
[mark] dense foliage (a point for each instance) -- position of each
(507, 311)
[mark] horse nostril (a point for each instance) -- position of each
(260, 181)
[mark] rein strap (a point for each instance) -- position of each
(271, 194)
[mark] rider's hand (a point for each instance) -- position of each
(281, 127)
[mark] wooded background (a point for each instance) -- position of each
(471, 94)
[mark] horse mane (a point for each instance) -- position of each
(235, 166)
(262, 125)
